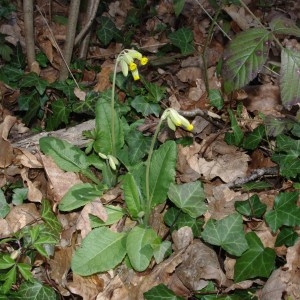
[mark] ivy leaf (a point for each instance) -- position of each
(139, 246)
(227, 233)
(245, 57)
(35, 290)
(287, 236)
(289, 77)
(107, 30)
(285, 211)
(252, 140)
(140, 104)
(50, 218)
(156, 92)
(215, 98)
(161, 292)
(257, 261)
(60, 114)
(100, 251)
(33, 80)
(287, 144)
(251, 207)
(183, 38)
(235, 137)
(189, 197)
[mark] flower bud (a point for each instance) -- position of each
(135, 74)
(134, 54)
(124, 67)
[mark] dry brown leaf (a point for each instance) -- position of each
(34, 193)
(87, 287)
(189, 74)
(207, 267)
(5, 230)
(182, 237)
(27, 159)
(239, 15)
(22, 215)
(103, 80)
(94, 208)
(79, 94)
(114, 290)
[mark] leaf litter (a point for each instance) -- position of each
(193, 264)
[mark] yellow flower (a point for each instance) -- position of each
(135, 74)
(132, 66)
(144, 60)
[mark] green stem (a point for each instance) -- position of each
(113, 138)
(148, 163)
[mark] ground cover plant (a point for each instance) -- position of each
(185, 183)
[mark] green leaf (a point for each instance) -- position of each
(215, 98)
(79, 195)
(132, 196)
(66, 87)
(114, 214)
(227, 233)
(25, 270)
(33, 80)
(289, 78)
(235, 137)
(60, 114)
(275, 125)
(287, 144)
(251, 207)
(104, 140)
(183, 39)
(252, 140)
(50, 218)
(156, 92)
(106, 30)
(178, 6)
(10, 74)
(140, 104)
(162, 251)
(139, 246)
(285, 211)
(88, 105)
(256, 186)
(19, 195)
(30, 102)
(161, 292)
(66, 156)
(35, 290)
(100, 251)
(162, 172)
(189, 197)
(10, 279)
(6, 262)
(289, 164)
(4, 207)
(287, 236)
(257, 261)
(282, 25)
(6, 52)
(245, 57)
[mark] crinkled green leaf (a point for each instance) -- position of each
(282, 25)
(162, 172)
(252, 207)
(252, 140)
(287, 236)
(139, 246)
(183, 39)
(140, 104)
(100, 251)
(289, 77)
(227, 233)
(285, 211)
(161, 292)
(257, 261)
(244, 57)
(79, 195)
(189, 197)
(34, 290)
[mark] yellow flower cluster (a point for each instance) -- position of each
(175, 119)
(126, 60)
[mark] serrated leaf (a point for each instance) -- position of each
(252, 207)
(252, 140)
(35, 290)
(132, 195)
(79, 195)
(104, 141)
(162, 172)
(283, 25)
(66, 156)
(257, 261)
(4, 207)
(227, 233)
(289, 78)
(33, 80)
(60, 114)
(189, 197)
(285, 211)
(183, 39)
(244, 57)
(287, 236)
(161, 292)
(106, 30)
(140, 104)
(139, 247)
(100, 251)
